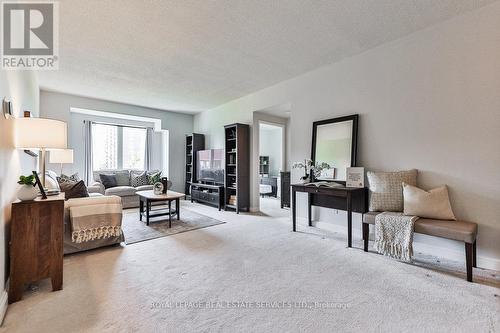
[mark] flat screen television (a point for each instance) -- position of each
(211, 166)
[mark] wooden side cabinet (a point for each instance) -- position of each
(36, 244)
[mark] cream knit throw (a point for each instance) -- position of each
(394, 235)
(96, 221)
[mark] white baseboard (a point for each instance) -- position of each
(254, 209)
(4, 302)
(482, 261)
(441, 251)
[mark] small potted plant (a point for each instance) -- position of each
(27, 191)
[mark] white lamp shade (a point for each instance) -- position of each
(61, 156)
(36, 133)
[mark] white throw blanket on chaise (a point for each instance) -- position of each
(394, 235)
(100, 218)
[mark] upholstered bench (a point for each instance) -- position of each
(455, 230)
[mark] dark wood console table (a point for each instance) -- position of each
(349, 199)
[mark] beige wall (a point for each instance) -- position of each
(429, 101)
(22, 89)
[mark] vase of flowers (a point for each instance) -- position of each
(317, 169)
(306, 165)
(311, 170)
(27, 191)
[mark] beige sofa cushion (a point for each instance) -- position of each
(386, 189)
(144, 188)
(121, 191)
(433, 204)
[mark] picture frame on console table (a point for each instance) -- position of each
(355, 177)
(40, 186)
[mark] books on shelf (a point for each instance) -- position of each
(232, 200)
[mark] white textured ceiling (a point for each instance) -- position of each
(193, 55)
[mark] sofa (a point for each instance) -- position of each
(124, 190)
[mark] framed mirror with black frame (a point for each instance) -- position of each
(334, 141)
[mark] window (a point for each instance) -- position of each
(118, 147)
(104, 146)
(134, 148)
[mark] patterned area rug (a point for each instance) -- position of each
(136, 231)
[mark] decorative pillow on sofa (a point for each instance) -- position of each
(64, 184)
(386, 189)
(74, 189)
(108, 181)
(154, 177)
(433, 204)
(139, 179)
(122, 178)
(74, 177)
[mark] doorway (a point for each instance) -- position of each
(271, 163)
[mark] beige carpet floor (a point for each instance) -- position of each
(252, 274)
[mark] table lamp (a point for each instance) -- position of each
(61, 156)
(40, 133)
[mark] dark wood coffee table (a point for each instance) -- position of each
(146, 198)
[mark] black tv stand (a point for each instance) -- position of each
(211, 194)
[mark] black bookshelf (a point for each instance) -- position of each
(237, 167)
(264, 165)
(194, 143)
